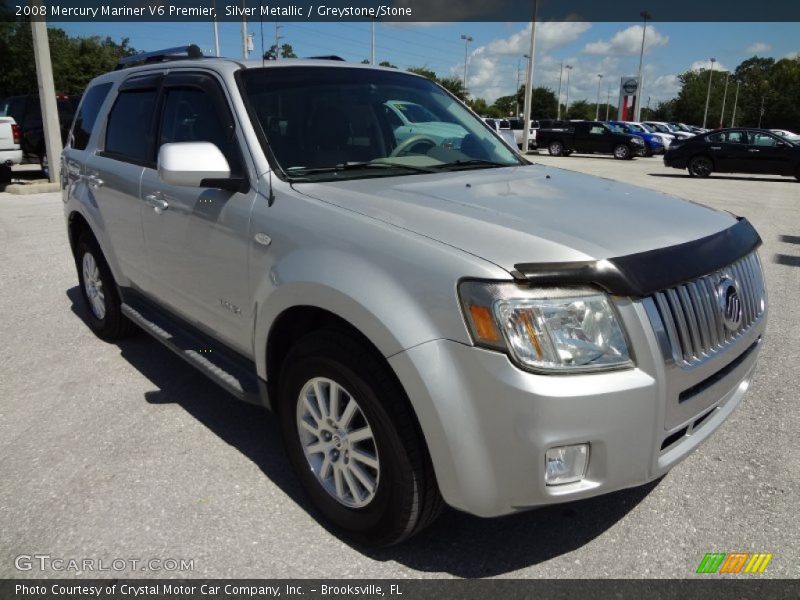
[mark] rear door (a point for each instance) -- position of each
(114, 172)
(728, 150)
(198, 238)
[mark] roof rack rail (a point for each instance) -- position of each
(176, 53)
(326, 57)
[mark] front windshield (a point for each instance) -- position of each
(324, 123)
(637, 128)
(616, 128)
(647, 128)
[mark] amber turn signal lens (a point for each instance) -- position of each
(484, 323)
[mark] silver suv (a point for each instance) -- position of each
(433, 320)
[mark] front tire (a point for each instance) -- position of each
(354, 442)
(99, 292)
(700, 166)
(622, 152)
(556, 148)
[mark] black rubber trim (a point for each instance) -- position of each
(643, 273)
(701, 387)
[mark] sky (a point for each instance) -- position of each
(592, 49)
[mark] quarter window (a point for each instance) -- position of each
(84, 122)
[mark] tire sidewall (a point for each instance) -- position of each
(694, 160)
(556, 148)
(101, 327)
(622, 152)
(369, 523)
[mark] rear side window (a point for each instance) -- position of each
(84, 122)
(129, 125)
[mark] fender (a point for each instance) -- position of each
(378, 302)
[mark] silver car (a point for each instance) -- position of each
(433, 320)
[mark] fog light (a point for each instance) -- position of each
(565, 464)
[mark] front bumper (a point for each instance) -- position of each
(488, 423)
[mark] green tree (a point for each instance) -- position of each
(386, 63)
(76, 60)
(455, 86)
(286, 52)
(543, 102)
(424, 71)
(581, 109)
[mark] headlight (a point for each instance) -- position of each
(637, 141)
(546, 329)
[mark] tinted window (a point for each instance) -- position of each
(87, 115)
(129, 125)
(191, 116)
(762, 139)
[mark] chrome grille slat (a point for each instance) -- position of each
(692, 318)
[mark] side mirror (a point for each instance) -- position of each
(193, 164)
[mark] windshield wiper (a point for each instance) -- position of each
(348, 166)
(474, 162)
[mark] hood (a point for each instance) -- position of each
(526, 214)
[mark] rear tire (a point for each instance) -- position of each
(556, 148)
(700, 166)
(99, 292)
(400, 497)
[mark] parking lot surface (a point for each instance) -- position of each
(123, 451)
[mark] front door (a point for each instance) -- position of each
(197, 237)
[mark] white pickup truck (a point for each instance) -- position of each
(10, 150)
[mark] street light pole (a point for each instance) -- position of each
(558, 101)
(708, 93)
(277, 41)
(516, 94)
(637, 113)
(608, 101)
(467, 39)
(526, 128)
(47, 97)
(724, 97)
(566, 102)
(597, 104)
(735, 102)
(216, 31)
(373, 43)
(244, 33)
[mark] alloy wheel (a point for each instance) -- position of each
(93, 286)
(338, 442)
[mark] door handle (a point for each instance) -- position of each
(716, 147)
(753, 150)
(94, 182)
(156, 202)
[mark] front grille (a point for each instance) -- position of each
(692, 316)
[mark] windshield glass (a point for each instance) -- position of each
(617, 128)
(634, 127)
(323, 123)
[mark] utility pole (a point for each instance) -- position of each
(526, 126)
(47, 97)
(735, 102)
(467, 39)
(724, 97)
(566, 102)
(597, 104)
(373, 42)
(637, 113)
(608, 101)
(761, 112)
(516, 93)
(216, 30)
(278, 38)
(244, 32)
(558, 100)
(708, 93)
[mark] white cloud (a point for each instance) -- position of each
(627, 42)
(705, 63)
(792, 55)
(490, 77)
(758, 48)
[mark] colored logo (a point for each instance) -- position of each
(734, 562)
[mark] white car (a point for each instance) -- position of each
(662, 127)
(789, 135)
(503, 129)
(516, 128)
(10, 150)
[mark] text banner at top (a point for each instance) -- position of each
(410, 11)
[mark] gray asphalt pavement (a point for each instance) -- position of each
(123, 451)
